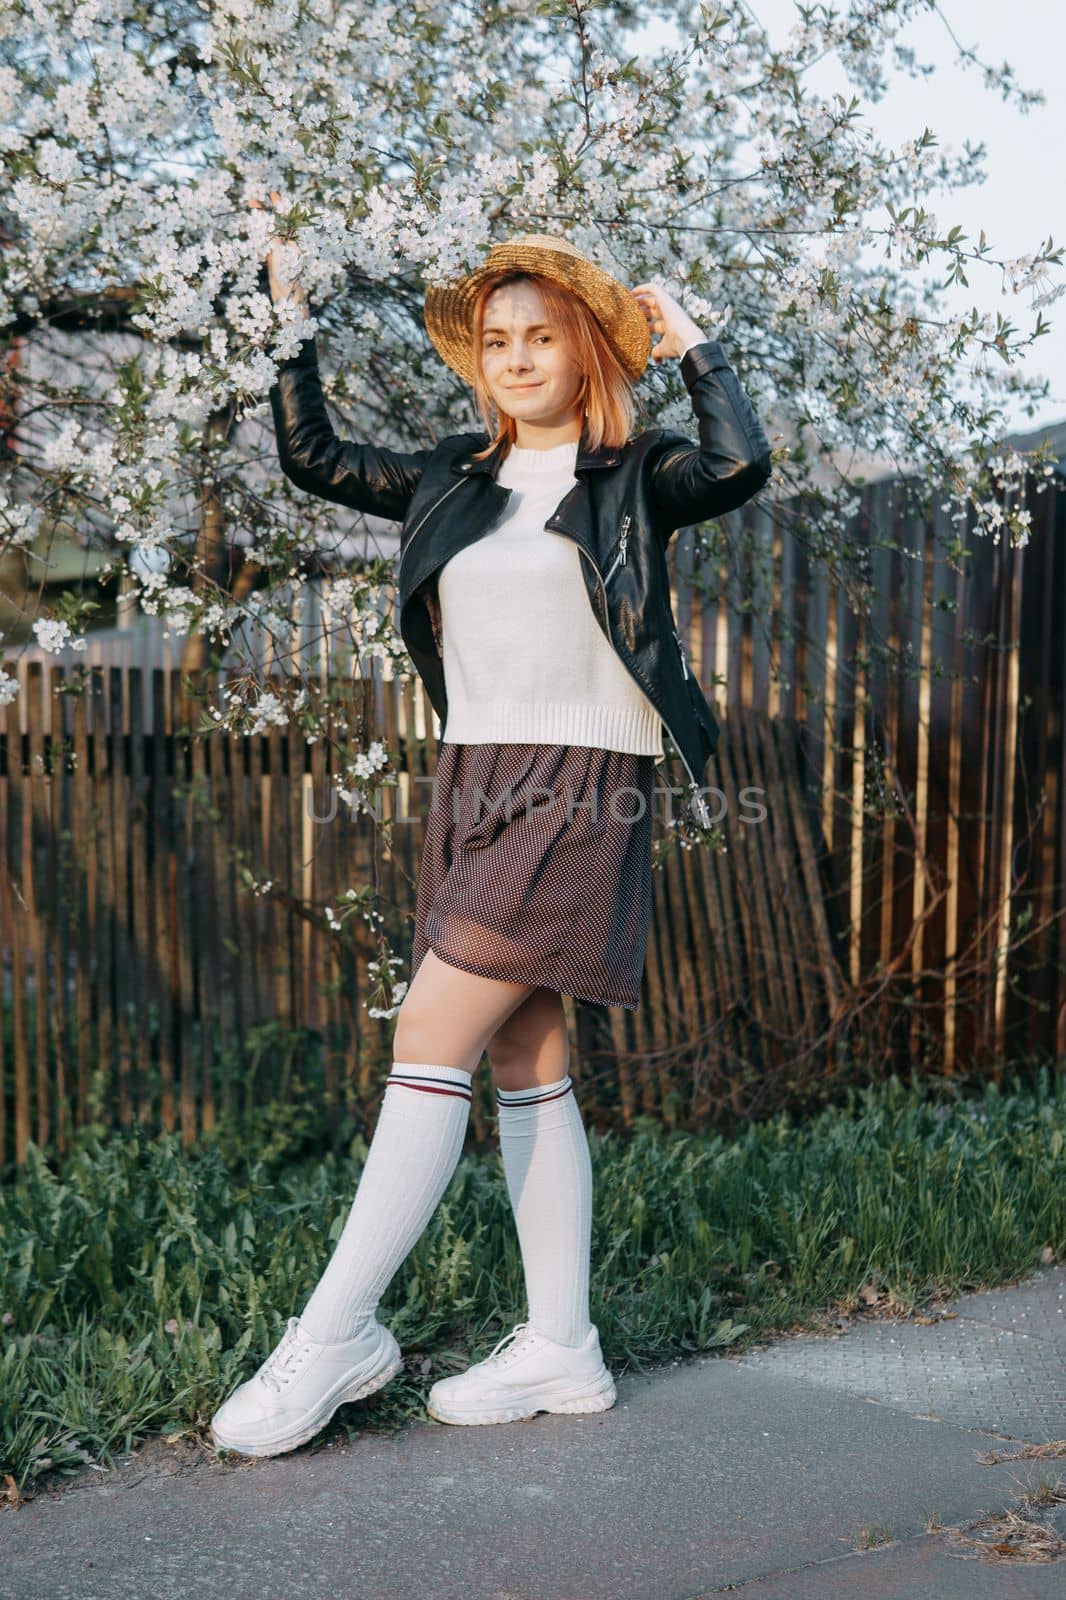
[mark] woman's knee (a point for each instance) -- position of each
(421, 1034)
(530, 1043)
(506, 1050)
(448, 1014)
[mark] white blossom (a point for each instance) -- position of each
(54, 634)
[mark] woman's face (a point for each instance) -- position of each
(530, 372)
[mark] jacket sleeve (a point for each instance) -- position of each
(732, 462)
(365, 476)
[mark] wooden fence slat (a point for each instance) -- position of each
(60, 877)
(323, 893)
(83, 849)
(716, 872)
(35, 888)
(208, 756)
(953, 830)
(293, 747)
(655, 975)
(186, 713)
(701, 957)
(266, 865)
(17, 927)
(118, 860)
(1009, 767)
(679, 954)
(892, 723)
(919, 879)
(776, 999)
(251, 776)
(6, 1056)
(104, 914)
(820, 936)
(350, 857)
(161, 933)
(1038, 621)
(742, 935)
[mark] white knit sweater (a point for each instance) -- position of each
(525, 660)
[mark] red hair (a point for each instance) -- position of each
(606, 390)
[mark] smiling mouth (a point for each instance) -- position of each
(517, 387)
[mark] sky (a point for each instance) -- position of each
(1023, 198)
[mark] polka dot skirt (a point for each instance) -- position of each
(536, 867)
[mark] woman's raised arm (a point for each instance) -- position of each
(732, 461)
(367, 477)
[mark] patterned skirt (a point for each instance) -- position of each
(536, 867)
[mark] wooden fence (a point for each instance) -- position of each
(165, 953)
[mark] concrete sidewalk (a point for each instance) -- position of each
(809, 1467)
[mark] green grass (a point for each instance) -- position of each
(139, 1284)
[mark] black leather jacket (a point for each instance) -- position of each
(622, 512)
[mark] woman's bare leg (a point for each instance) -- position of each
(448, 1015)
(532, 1046)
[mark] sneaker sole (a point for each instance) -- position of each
(358, 1391)
(601, 1399)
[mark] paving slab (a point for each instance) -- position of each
(721, 1474)
(996, 1361)
(922, 1569)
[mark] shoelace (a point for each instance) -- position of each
(280, 1366)
(515, 1334)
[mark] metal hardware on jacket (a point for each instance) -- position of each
(626, 504)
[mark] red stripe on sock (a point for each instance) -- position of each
(542, 1100)
(424, 1088)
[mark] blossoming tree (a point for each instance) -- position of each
(136, 140)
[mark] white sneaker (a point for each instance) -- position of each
(299, 1387)
(531, 1374)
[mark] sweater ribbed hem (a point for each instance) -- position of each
(637, 729)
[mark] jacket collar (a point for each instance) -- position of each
(605, 456)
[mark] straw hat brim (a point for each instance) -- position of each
(449, 308)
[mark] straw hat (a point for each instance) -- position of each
(449, 308)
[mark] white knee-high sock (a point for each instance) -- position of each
(415, 1148)
(549, 1180)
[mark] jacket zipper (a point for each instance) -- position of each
(703, 808)
(700, 801)
(620, 558)
(680, 646)
(422, 520)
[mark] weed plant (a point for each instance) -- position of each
(140, 1283)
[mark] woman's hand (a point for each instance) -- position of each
(665, 316)
(281, 262)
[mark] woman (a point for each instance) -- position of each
(535, 603)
